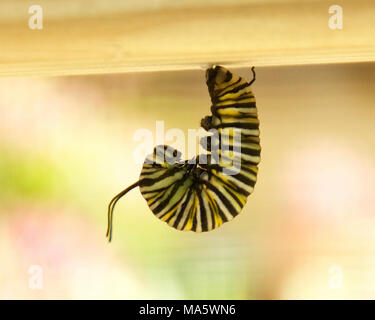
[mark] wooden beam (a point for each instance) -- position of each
(99, 39)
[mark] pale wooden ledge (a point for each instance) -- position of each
(106, 36)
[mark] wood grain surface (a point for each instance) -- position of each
(83, 37)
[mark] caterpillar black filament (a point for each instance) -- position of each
(200, 195)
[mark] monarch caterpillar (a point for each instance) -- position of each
(196, 196)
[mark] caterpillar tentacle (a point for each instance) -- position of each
(111, 206)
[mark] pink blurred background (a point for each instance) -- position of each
(307, 231)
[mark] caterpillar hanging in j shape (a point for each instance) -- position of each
(202, 195)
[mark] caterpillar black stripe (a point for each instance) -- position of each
(202, 195)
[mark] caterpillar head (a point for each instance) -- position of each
(206, 123)
(164, 155)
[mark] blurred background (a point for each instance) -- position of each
(307, 231)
